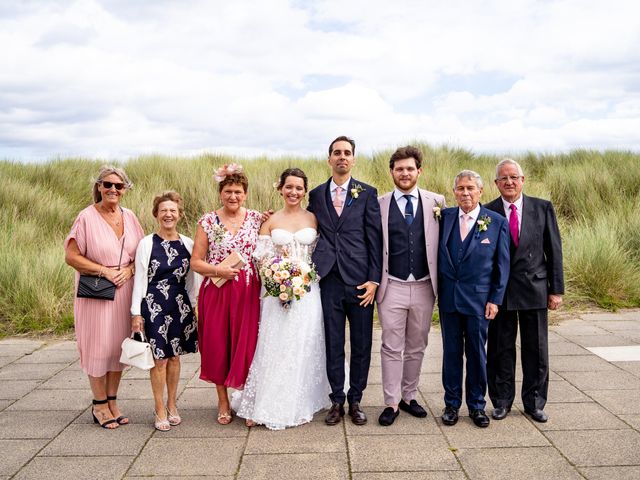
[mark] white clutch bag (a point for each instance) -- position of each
(137, 353)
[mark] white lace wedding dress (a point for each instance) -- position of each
(287, 382)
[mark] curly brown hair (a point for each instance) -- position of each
(166, 196)
(238, 178)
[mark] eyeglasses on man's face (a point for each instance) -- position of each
(511, 178)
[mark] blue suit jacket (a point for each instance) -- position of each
(353, 240)
(483, 273)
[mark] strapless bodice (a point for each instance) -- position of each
(304, 236)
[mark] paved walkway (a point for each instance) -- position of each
(593, 431)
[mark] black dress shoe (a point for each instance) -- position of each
(335, 414)
(450, 416)
(357, 415)
(413, 408)
(480, 418)
(500, 412)
(538, 415)
(388, 416)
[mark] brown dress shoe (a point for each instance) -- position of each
(335, 414)
(358, 417)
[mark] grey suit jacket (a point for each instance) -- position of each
(431, 234)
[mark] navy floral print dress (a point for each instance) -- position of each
(169, 322)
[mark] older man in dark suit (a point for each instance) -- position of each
(536, 283)
(473, 269)
(348, 257)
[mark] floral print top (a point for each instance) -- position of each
(222, 242)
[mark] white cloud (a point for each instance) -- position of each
(116, 78)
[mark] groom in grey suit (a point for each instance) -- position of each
(407, 291)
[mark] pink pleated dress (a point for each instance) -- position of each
(101, 325)
(228, 316)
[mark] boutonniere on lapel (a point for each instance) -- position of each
(482, 224)
(355, 191)
(437, 211)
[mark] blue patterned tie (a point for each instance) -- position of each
(408, 210)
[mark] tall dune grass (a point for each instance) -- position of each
(596, 196)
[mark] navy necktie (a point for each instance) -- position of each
(408, 210)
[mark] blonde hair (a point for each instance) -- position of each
(104, 172)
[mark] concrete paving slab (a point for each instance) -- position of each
(607, 340)
(191, 358)
(618, 325)
(310, 466)
(140, 412)
(189, 456)
(566, 348)
(608, 473)
(553, 337)
(619, 380)
(617, 401)
(15, 389)
(579, 416)
(384, 453)
(76, 468)
(431, 383)
(601, 316)
(67, 379)
(195, 382)
(580, 363)
(598, 447)
(313, 437)
(560, 392)
(375, 376)
(76, 400)
(191, 398)
(93, 441)
(514, 431)
(138, 389)
(633, 420)
(373, 396)
(47, 355)
(8, 359)
(181, 477)
(201, 423)
(450, 475)
(26, 371)
(629, 353)
(510, 463)
(187, 370)
(16, 453)
(21, 348)
(56, 344)
(34, 424)
(4, 404)
(631, 367)
(405, 424)
(566, 329)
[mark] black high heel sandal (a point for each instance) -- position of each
(95, 419)
(121, 419)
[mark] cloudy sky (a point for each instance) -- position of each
(119, 78)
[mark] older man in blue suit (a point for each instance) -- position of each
(473, 270)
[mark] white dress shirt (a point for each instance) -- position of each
(474, 217)
(343, 194)
(507, 211)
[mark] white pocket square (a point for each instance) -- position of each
(486, 240)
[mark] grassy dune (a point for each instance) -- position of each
(596, 195)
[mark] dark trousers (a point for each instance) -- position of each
(534, 355)
(464, 335)
(339, 303)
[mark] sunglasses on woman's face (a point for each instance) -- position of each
(108, 185)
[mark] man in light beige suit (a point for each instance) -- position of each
(407, 291)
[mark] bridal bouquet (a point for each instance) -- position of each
(286, 279)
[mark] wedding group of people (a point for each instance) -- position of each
(493, 268)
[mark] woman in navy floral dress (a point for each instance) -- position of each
(164, 296)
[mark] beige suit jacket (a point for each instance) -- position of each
(431, 234)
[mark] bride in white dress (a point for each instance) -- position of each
(287, 382)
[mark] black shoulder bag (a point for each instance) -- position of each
(97, 286)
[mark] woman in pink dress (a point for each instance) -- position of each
(227, 315)
(103, 242)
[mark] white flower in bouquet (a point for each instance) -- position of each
(297, 281)
(305, 268)
(283, 296)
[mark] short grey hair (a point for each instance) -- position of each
(508, 161)
(104, 172)
(468, 174)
